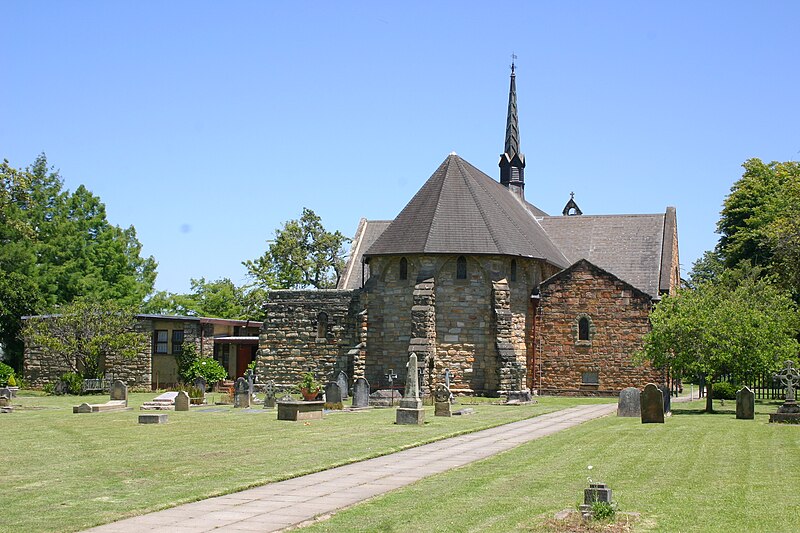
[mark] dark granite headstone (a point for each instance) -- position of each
(361, 393)
(182, 401)
(665, 392)
(344, 384)
(597, 492)
(651, 402)
(119, 390)
(333, 395)
(745, 404)
(241, 393)
(269, 395)
(628, 404)
(200, 383)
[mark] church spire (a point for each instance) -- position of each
(512, 162)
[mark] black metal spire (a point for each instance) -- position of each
(512, 162)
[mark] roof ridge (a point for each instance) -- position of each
(446, 166)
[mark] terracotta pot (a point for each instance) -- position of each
(309, 395)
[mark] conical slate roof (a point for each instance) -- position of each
(461, 210)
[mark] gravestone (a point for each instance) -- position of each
(153, 418)
(200, 383)
(62, 387)
(182, 401)
(82, 408)
(597, 492)
(410, 410)
(441, 398)
(119, 391)
(628, 404)
(341, 380)
(361, 393)
(269, 395)
(333, 395)
(5, 393)
(745, 404)
(789, 412)
(651, 403)
(241, 394)
(664, 388)
(384, 398)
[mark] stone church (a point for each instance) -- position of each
(486, 287)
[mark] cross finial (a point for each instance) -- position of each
(571, 195)
(513, 62)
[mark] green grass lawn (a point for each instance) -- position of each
(65, 471)
(696, 472)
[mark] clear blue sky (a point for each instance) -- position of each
(208, 124)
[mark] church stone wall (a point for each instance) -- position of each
(289, 344)
(618, 318)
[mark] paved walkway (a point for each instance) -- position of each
(288, 503)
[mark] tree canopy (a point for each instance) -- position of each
(56, 246)
(218, 299)
(741, 324)
(303, 254)
(86, 333)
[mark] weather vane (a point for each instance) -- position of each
(513, 61)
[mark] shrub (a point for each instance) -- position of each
(11, 381)
(49, 388)
(74, 382)
(6, 373)
(208, 369)
(724, 391)
(186, 359)
(602, 510)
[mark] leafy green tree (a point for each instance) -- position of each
(85, 333)
(56, 246)
(303, 254)
(741, 324)
(219, 299)
(759, 220)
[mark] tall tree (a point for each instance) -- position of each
(303, 254)
(60, 246)
(739, 324)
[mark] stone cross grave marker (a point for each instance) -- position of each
(745, 404)
(182, 401)
(269, 396)
(441, 400)
(361, 393)
(628, 404)
(790, 378)
(201, 384)
(119, 390)
(410, 410)
(333, 395)
(341, 379)
(652, 405)
(390, 377)
(241, 394)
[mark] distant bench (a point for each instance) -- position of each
(97, 384)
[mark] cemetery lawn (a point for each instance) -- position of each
(696, 472)
(66, 472)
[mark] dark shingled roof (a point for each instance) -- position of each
(461, 210)
(628, 246)
(367, 233)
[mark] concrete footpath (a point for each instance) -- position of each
(289, 503)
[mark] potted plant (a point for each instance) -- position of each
(309, 387)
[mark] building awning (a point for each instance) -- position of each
(231, 339)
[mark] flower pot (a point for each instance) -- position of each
(309, 395)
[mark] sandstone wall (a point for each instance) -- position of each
(618, 315)
(289, 344)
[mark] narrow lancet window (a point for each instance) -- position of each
(461, 268)
(513, 274)
(322, 325)
(403, 268)
(583, 329)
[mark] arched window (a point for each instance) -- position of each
(461, 268)
(322, 325)
(513, 274)
(403, 268)
(583, 328)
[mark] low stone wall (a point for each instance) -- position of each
(292, 340)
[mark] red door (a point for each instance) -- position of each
(243, 358)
